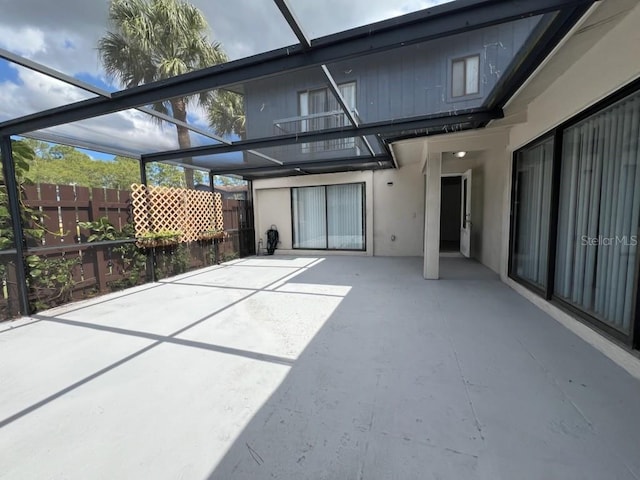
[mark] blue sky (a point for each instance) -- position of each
(97, 155)
(7, 73)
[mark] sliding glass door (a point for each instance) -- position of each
(532, 204)
(576, 214)
(598, 215)
(329, 217)
(309, 217)
(344, 217)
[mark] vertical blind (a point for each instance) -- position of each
(598, 215)
(329, 217)
(344, 217)
(533, 171)
(309, 216)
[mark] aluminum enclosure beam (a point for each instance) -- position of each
(50, 72)
(414, 123)
(527, 61)
(444, 20)
(309, 164)
(333, 86)
(13, 199)
(293, 22)
(61, 140)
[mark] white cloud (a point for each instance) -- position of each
(23, 40)
(35, 92)
(127, 130)
(320, 18)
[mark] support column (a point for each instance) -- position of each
(433, 171)
(143, 172)
(16, 221)
(151, 252)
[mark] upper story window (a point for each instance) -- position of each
(465, 76)
(322, 100)
(319, 110)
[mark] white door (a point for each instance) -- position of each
(465, 215)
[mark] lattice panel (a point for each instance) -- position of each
(164, 208)
(219, 213)
(140, 204)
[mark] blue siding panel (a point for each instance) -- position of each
(411, 81)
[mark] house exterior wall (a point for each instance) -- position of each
(396, 209)
(487, 160)
(414, 80)
(492, 149)
(602, 70)
(273, 206)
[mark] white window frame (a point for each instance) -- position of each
(297, 216)
(469, 84)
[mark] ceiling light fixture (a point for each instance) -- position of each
(460, 154)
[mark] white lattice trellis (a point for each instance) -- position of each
(191, 212)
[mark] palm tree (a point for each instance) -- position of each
(226, 113)
(151, 40)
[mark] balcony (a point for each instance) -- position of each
(306, 367)
(343, 147)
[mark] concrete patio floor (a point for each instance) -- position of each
(313, 368)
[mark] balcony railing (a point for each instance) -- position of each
(317, 122)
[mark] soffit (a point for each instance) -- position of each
(604, 16)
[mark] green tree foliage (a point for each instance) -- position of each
(152, 40)
(63, 165)
(23, 155)
(228, 181)
(172, 176)
(227, 114)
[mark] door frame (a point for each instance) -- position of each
(465, 214)
(462, 207)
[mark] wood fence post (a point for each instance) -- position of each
(97, 195)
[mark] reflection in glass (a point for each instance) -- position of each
(532, 191)
(599, 212)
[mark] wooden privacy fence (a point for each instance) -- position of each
(84, 268)
(60, 208)
(191, 212)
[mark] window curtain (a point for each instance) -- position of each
(532, 210)
(328, 217)
(598, 214)
(344, 217)
(457, 78)
(314, 104)
(348, 92)
(318, 103)
(472, 75)
(309, 217)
